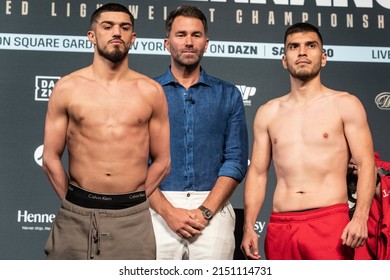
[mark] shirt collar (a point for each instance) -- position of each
(169, 79)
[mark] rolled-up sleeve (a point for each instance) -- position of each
(235, 162)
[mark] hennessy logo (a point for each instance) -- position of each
(382, 101)
(259, 227)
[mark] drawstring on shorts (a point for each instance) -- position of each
(94, 235)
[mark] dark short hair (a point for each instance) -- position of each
(302, 27)
(111, 7)
(185, 11)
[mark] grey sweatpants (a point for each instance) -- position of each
(80, 233)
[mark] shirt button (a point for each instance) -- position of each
(188, 194)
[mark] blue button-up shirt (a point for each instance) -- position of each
(209, 136)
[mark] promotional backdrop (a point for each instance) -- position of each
(41, 41)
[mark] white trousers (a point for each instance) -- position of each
(216, 241)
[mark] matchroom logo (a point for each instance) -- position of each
(382, 101)
(246, 92)
(44, 86)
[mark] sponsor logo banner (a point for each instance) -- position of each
(152, 46)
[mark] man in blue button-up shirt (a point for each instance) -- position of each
(192, 216)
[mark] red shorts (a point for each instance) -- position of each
(308, 235)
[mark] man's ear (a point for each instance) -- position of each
(133, 38)
(207, 44)
(91, 37)
(324, 58)
(166, 44)
(284, 61)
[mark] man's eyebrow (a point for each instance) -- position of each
(312, 42)
(112, 23)
(187, 32)
(306, 43)
(292, 44)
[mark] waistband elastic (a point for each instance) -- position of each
(87, 199)
(302, 216)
